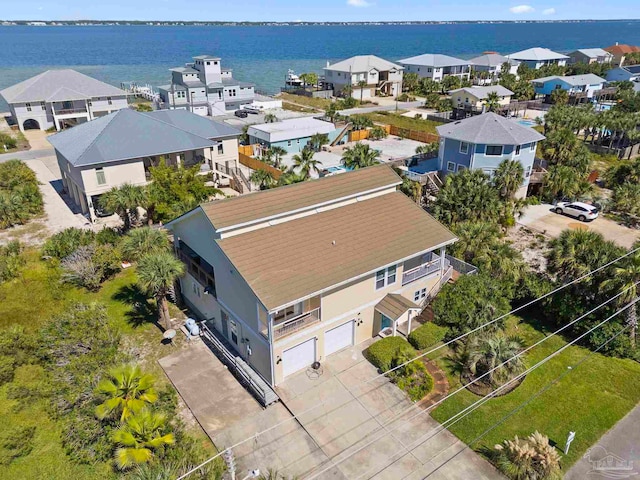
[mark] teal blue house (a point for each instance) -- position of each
(483, 142)
(292, 134)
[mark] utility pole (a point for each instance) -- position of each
(231, 463)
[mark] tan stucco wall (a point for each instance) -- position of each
(116, 174)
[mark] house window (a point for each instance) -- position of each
(533, 147)
(385, 277)
(517, 149)
(419, 294)
(109, 101)
(451, 167)
(298, 141)
(43, 105)
(28, 107)
(493, 150)
(100, 177)
(288, 143)
(196, 289)
(464, 147)
(461, 167)
(527, 172)
(234, 331)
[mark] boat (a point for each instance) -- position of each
(293, 80)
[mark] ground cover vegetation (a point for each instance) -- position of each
(20, 197)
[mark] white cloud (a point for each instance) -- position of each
(359, 3)
(521, 9)
(549, 11)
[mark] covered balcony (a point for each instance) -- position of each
(295, 318)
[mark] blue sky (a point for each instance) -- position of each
(324, 10)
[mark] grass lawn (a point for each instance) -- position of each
(22, 142)
(31, 300)
(390, 118)
(588, 401)
(297, 108)
(317, 103)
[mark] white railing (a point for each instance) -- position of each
(421, 271)
(436, 288)
(296, 324)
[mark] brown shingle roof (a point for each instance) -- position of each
(268, 203)
(622, 49)
(295, 259)
(394, 305)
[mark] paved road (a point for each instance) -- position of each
(27, 154)
(622, 441)
(378, 108)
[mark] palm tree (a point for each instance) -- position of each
(128, 390)
(124, 200)
(559, 97)
(359, 156)
(488, 353)
(270, 118)
(508, 178)
(476, 239)
(306, 164)
(347, 90)
(361, 85)
(427, 149)
(332, 112)
(529, 458)
(317, 140)
(625, 279)
(492, 102)
(360, 122)
(139, 436)
(278, 153)
(411, 189)
(290, 177)
(144, 240)
(157, 273)
(263, 178)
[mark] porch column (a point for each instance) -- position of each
(442, 254)
(409, 322)
(395, 322)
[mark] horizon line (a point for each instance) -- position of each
(522, 20)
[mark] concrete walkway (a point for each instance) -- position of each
(27, 154)
(621, 442)
(378, 108)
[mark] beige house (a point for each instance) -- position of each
(289, 276)
(121, 147)
(380, 77)
(474, 98)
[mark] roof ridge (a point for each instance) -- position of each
(66, 88)
(147, 114)
(111, 117)
(31, 81)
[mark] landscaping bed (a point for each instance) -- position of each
(389, 118)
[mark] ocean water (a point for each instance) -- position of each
(262, 54)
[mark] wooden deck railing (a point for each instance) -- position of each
(295, 324)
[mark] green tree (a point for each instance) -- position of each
(360, 122)
(361, 155)
(377, 133)
(306, 163)
(410, 82)
(157, 273)
(278, 153)
(450, 83)
(411, 189)
(492, 102)
(332, 112)
(263, 178)
(559, 97)
(309, 78)
(361, 85)
(626, 199)
(139, 436)
(290, 177)
(124, 200)
(346, 91)
(508, 178)
(522, 90)
(428, 85)
(528, 458)
(427, 149)
(20, 196)
(486, 354)
(270, 118)
(318, 140)
(563, 181)
(127, 390)
(142, 241)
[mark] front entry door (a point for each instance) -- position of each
(385, 323)
(225, 325)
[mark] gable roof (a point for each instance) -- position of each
(299, 258)
(489, 128)
(269, 204)
(59, 85)
(483, 92)
(123, 135)
(393, 306)
(622, 49)
(363, 63)
(573, 80)
(593, 52)
(536, 54)
(434, 60)
(491, 60)
(196, 124)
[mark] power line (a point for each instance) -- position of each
(529, 400)
(363, 384)
(541, 362)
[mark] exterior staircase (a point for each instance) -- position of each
(347, 128)
(433, 183)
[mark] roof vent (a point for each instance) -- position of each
(333, 242)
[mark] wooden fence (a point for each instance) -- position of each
(357, 135)
(416, 135)
(255, 164)
(246, 150)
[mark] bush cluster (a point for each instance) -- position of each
(20, 197)
(427, 335)
(11, 260)
(16, 442)
(8, 141)
(382, 353)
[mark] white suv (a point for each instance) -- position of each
(579, 210)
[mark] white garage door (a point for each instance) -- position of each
(299, 357)
(338, 338)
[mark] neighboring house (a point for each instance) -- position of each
(292, 134)
(620, 53)
(590, 55)
(474, 98)
(488, 67)
(436, 66)
(61, 98)
(289, 276)
(120, 148)
(584, 86)
(383, 78)
(629, 73)
(483, 142)
(538, 57)
(205, 88)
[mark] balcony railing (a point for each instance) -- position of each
(421, 271)
(296, 324)
(65, 111)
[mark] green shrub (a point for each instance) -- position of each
(15, 443)
(377, 132)
(10, 260)
(412, 377)
(7, 369)
(427, 335)
(66, 242)
(8, 141)
(20, 196)
(382, 353)
(108, 236)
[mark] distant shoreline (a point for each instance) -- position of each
(87, 23)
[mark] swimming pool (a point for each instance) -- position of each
(527, 123)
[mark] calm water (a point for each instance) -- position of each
(263, 54)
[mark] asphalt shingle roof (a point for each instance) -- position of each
(59, 85)
(489, 128)
(124, 135)
(434, 60)
(363, 63)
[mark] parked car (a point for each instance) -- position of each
(241, 113)
(252, 109)
(579, 210)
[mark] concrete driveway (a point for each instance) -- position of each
(374, 423)
(541, 218)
